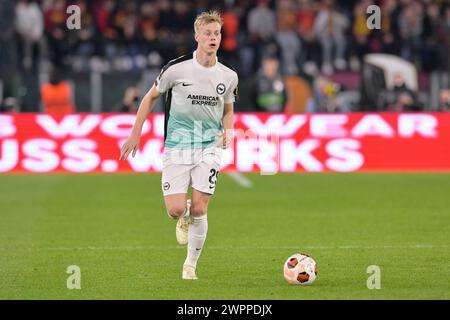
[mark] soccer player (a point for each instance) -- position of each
(200, 92)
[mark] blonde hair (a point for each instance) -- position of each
(207, 17)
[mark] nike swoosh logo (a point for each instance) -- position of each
(186, 84)
(198, 249)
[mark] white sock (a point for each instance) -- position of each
(196, 238)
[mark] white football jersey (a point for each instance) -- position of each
(195, 97)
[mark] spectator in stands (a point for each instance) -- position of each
(10, 105)
(388, 36)
(444, 100)
(400, 98)
(166, 13)
(179, 28)
(8, 50)
(201, 6)
(151, 43)
(329, 28)
(55, 17)
(444, 41)
(268, 88)
(404, 102)
(306, 16)
(327, 97)
(102, 12)
(261, 25)
(262, 22)
(230, 31)
(183, 18)
(105, 18)
(130, 40)
(56, 95)
(360, 34)
(84, 39)
(130, 100)
(7, 19)
(30, 28)
(430, 36)
(411, 28)
(287, 39)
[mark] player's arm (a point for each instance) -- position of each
(228, 114)
(227, 123)
(146, 106)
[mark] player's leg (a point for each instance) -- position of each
(198, 230)
(175, 182)
(175, 205)
(204, 178)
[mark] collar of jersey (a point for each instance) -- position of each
(203, 67)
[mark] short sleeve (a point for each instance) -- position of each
(232, 93)
(164, 81)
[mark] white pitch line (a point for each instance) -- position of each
(131, 248)
(240, 179)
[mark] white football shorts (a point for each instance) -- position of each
(196, 167)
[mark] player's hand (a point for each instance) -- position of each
(225, 139)
(130, 145)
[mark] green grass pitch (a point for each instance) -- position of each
(114, 227)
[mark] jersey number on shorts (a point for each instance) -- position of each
(213, 178)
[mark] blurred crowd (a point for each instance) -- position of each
(307, 37)
(307, 34)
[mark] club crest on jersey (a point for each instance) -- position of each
(220, 89)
